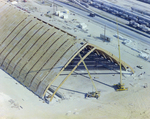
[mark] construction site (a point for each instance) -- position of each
(60, 60)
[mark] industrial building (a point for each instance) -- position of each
(35, 52)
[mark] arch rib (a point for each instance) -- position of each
(125, 65)
(72, 72)
(64, 68)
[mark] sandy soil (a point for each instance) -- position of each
(17, 102)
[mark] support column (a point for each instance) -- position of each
(71, 72)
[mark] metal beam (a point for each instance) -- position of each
(125, 65)
(64, 68)
(88, 72)
(71, 72)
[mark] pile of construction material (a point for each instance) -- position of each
(126, 42)
(63, 14)
(82, 26)
(119, 36)
(144, 56)
(13, 1)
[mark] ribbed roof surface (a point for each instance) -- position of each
(35, 53)
(31, 51)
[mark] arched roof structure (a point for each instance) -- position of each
(35, 52)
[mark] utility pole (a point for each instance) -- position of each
(104, 32)
(53, 7)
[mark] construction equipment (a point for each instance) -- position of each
(139, 66)
(95, 94)
(120, 86)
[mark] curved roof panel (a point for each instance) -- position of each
(35, 53)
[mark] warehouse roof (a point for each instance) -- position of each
(35, 52)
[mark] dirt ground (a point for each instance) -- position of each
(17, 102)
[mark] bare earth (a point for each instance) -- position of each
(17, 102)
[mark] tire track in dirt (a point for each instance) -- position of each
(131, 104)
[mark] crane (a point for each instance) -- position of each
(95, 94)
(120, 86)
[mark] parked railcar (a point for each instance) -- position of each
(140, 21)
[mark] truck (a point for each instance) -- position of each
(92, 14)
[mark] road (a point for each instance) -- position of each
(124, 29)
